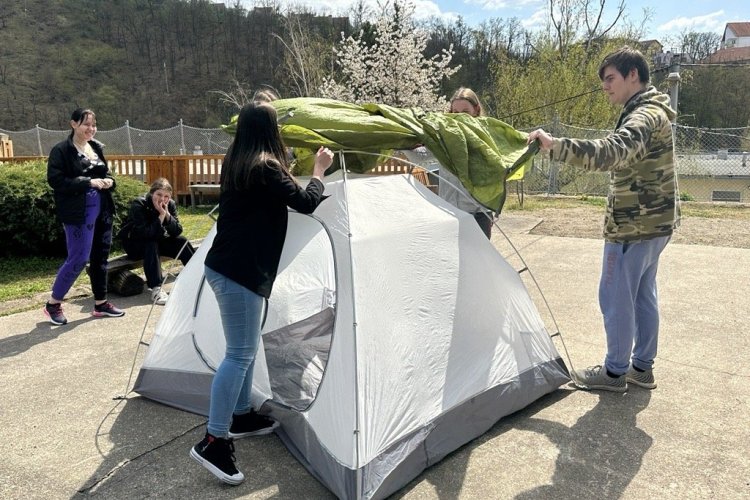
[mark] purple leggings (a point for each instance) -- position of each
(86, 242)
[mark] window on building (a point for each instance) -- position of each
(735, 196)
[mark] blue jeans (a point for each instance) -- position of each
(629, 303)
(241, 317)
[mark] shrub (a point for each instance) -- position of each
(29, 225)
(686, 197)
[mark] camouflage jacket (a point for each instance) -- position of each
(639, 156)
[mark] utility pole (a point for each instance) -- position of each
(166, 81)
(674, 84)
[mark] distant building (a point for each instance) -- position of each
(650, 46)
(735, 45)
(736, 35)
(730, 55)
(666, 59)
(655, 49)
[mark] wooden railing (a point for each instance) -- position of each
(182, 171)
(396, 166)
(6, 146)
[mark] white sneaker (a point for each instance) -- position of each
(159, 296)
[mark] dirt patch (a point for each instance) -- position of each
(586, 222)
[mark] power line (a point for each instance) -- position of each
(730, 65)
(596, 89)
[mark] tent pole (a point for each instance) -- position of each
(358, 472)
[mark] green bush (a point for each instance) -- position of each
(686, 197)
(29, 225)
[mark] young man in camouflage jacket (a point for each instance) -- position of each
(642, 212)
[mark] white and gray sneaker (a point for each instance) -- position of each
(643, 378)
(596, 378)
(159, 296)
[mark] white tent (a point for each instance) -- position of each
(395, 334)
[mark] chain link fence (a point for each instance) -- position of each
(712, 164)
(127, 140)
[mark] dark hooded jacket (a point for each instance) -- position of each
(143, 224)
(70, 173)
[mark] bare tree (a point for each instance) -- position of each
(581, 20)
(359, 12)
(306, 55)
(237, 96)
(698, 45)
(564, 19)
(593, 20)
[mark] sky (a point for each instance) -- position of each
(669, 17)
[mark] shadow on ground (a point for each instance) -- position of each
(145, 447)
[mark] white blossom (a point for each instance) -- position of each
(393, 70)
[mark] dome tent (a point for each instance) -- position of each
(395, 334)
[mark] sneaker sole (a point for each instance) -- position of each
(645, 385)
(261, 432)
(98, 314)
(222, 476)
(601, 387)
(58, 323)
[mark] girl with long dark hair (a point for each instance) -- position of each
(241, 266)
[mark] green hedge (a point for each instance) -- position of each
(28, 225)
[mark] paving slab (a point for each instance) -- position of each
(67, 435)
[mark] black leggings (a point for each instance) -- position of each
(485, 221)
(151, 250)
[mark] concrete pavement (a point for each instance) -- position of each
(65, 436)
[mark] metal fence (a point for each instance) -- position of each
(712, 164)
(127, 140)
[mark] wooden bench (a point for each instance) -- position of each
(124, 263)
(200, 190)
(120, 280)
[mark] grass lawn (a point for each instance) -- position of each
(688, 209)
(22, 277)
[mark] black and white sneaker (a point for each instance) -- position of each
(217, 456)
(251, 424)
(107, 308)
(55, 313)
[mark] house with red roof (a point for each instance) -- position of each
(735, 45)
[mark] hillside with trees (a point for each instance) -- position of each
(153, 62)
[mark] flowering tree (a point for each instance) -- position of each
(393, 69)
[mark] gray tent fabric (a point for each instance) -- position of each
(401, 331)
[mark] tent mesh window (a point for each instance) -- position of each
(297, 356)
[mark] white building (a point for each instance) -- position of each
(736, 35)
